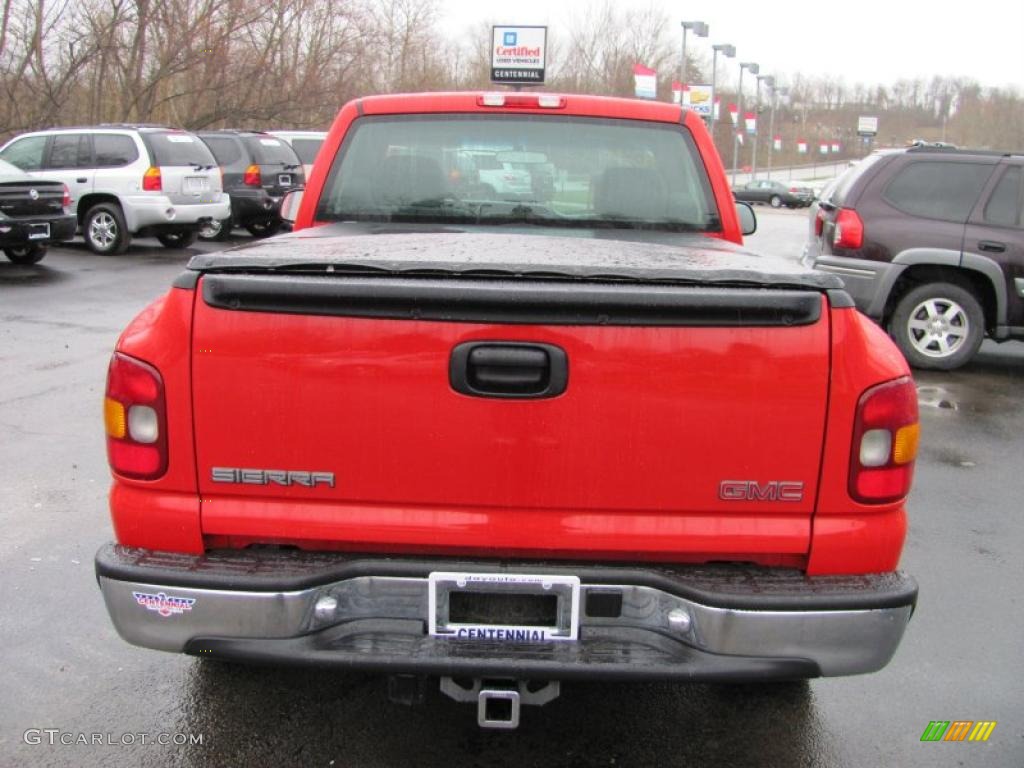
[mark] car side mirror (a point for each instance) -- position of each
(747, 217)
(290, 205)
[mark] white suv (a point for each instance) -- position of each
(128, 180)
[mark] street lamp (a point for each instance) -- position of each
(770, 81)
(753, 69)
(776, 92)
(726, 50)
(700, 29)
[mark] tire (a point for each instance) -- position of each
(775, 201)
(215, 229)
(263, 227)
(938, 326)
(104, 230)
(180, 239)
(26, 254)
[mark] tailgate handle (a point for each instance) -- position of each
(508, 369)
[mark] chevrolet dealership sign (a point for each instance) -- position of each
(517, 54)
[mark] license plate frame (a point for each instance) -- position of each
(196, 185)
(40, 231)
(441, 584)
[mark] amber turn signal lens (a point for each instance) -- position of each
(904, 448)
(114, 418)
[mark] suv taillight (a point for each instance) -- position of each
(135, 416)
(66, 201)
(252, 176)
(819, 221)
(849, 231)
(885, 437)
(151, 181)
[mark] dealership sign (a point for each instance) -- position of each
(867, 126)
(645, 82)
(517, 54)
(698, 99)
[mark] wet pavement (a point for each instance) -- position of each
(66, 676)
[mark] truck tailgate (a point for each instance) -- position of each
(690, 427)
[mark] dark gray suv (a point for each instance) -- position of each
(930, 243)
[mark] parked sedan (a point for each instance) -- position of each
(775, 193)
(33, 213)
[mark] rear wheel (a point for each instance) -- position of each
(938, 326)
(775, 201)
(26, 254)
(104, 229)
(264, 227)
(215, 229)
(180, 239)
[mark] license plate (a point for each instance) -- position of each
(38, 231)
(196, 183)
(503, 607)
(285, 179)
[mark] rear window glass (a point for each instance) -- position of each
(937, 190)
(113, 150)
(178, 148)
(306, 149)
(555, 170)
(846, 180)
(226, 149)
(270, 151)
(1006, 206)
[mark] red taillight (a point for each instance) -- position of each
(66, 202)
(819, 222)
(849, 232)
(151, 181)
(135, 416)
(252, 176)
(885, 437)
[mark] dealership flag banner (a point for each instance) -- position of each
(739, 136)
(734, 114)
(718, 108)
(801, 147)
(646, 82)
(835, 148)
(823, 148)
(777, 143)
(517, 54)
(677, 92)
(751, 122)
(697, 98)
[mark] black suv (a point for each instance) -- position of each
(930, 243)
(258, 170)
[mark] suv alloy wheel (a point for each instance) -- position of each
(938, 326)
(104, 229)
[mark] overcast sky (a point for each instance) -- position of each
(866, 41)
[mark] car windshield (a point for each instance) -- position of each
(544, 170)
(10, 172)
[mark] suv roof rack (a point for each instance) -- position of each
(953, 150)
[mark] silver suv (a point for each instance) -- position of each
(128, 180)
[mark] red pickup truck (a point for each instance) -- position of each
(511, 438)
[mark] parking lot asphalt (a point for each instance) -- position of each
(66, 675)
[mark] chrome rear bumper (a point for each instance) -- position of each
(724, 623)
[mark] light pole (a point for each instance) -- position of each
(726, 50)
(770, 81)
(700, 29)
(776, 92)
(754, 69)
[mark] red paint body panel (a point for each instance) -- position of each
(628, 460)
(583, 106)
(155, 519)
(850, 537)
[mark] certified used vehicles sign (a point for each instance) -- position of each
(517, 54)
